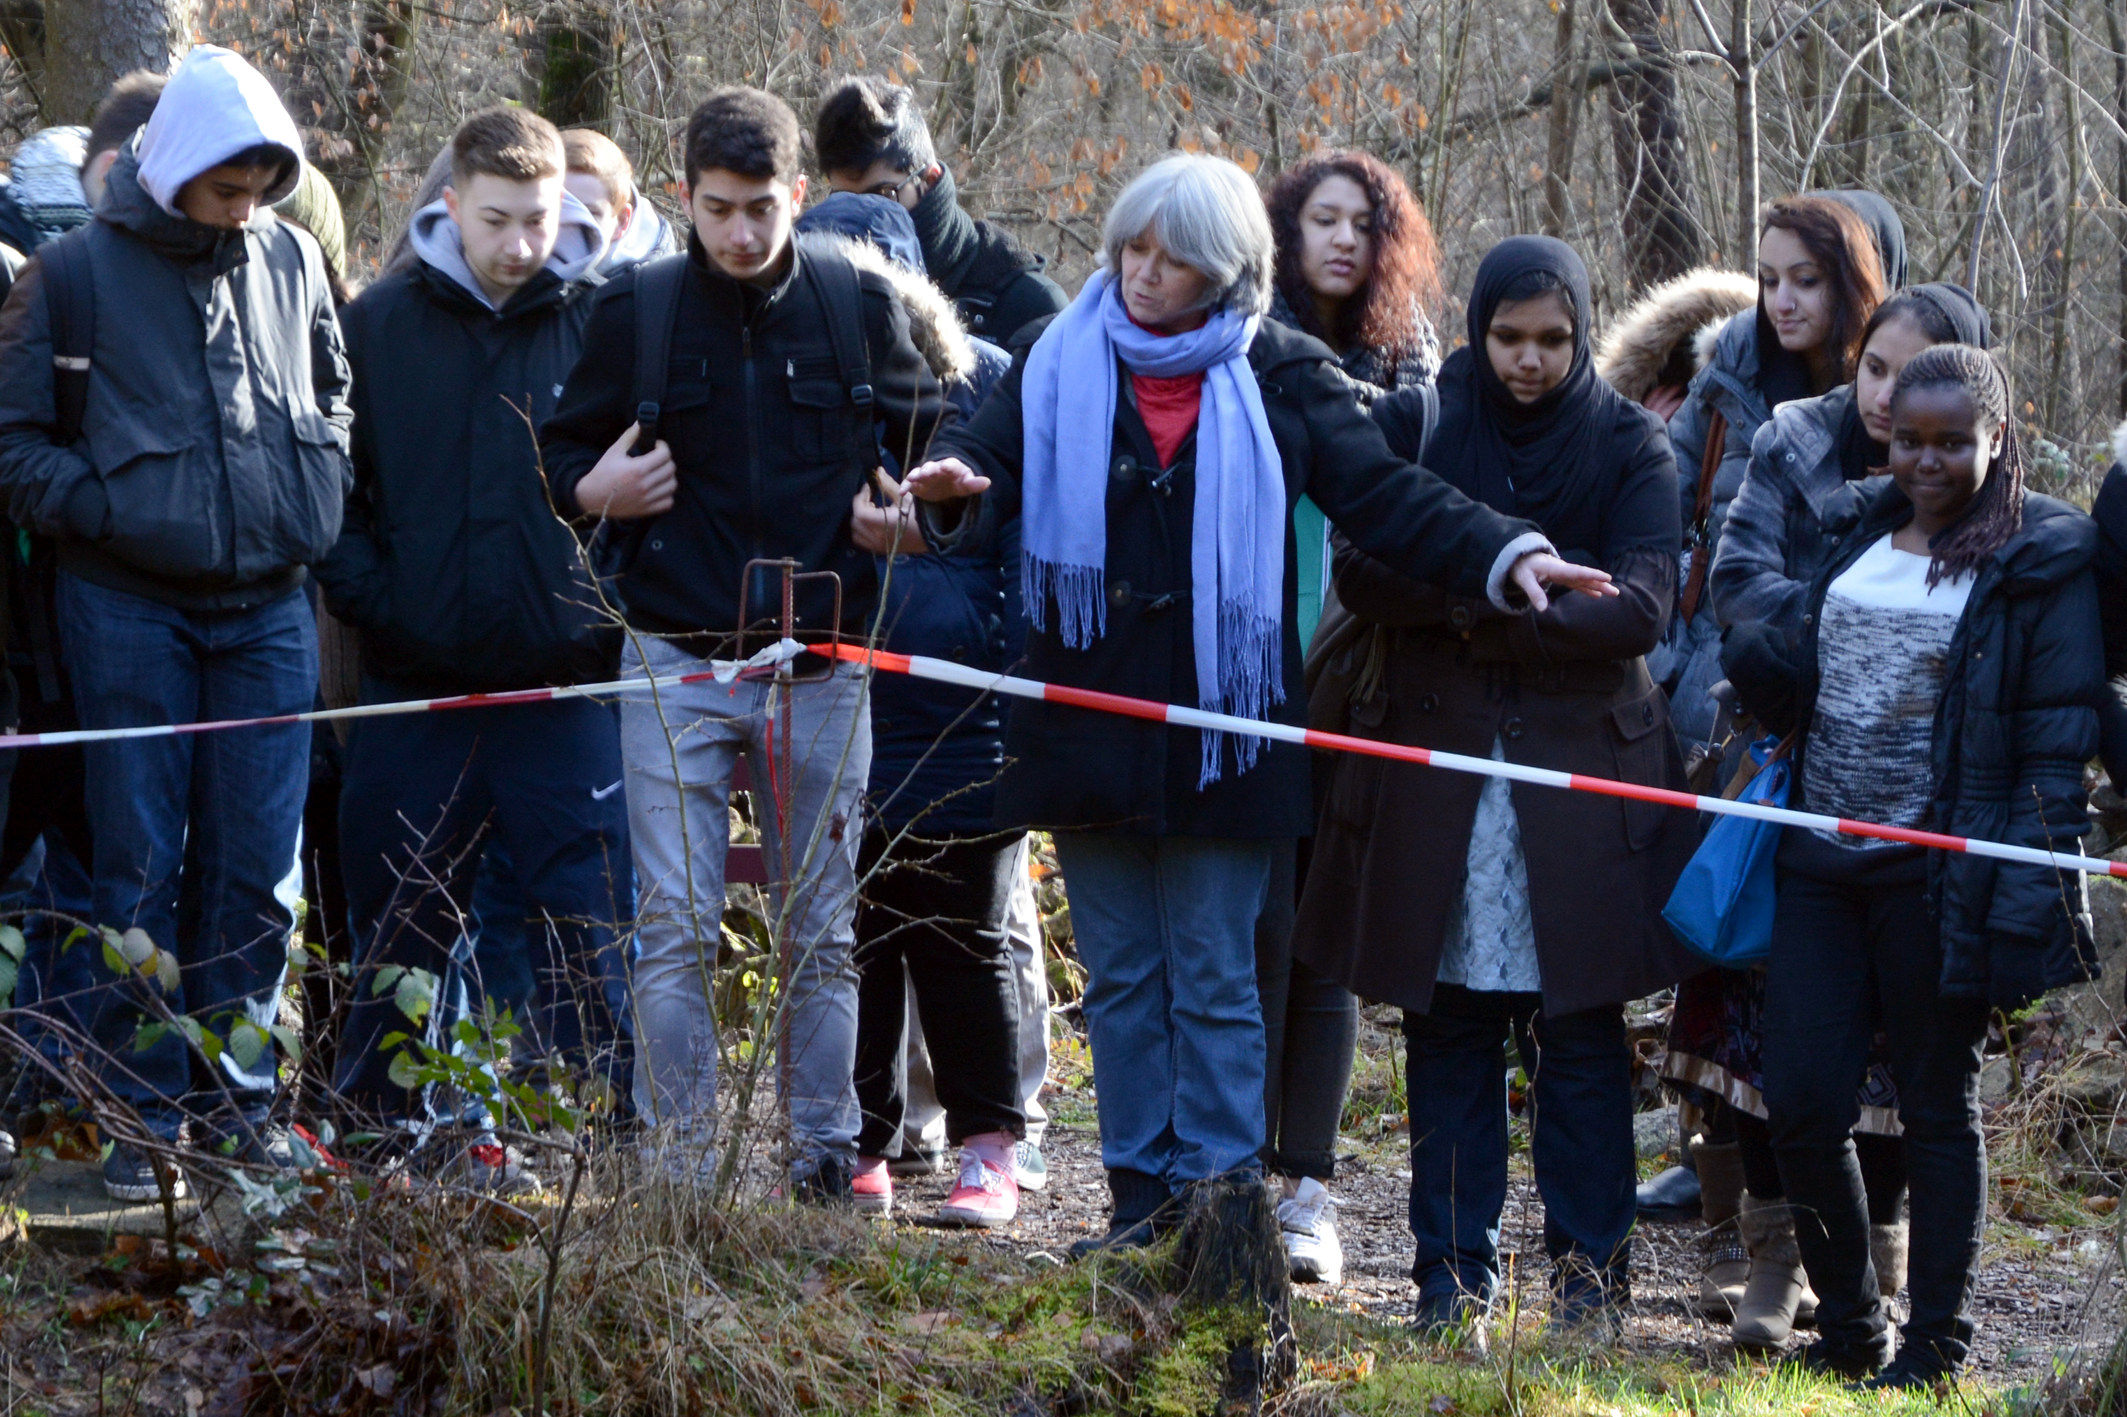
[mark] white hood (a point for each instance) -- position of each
(647, 236)
(435, 238)
(214, 107)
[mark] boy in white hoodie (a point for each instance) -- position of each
(460, 578)
(206, 473)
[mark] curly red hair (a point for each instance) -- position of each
(1406, 276)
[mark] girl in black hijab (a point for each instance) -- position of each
(1481, 907)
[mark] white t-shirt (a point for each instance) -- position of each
(1883, 642)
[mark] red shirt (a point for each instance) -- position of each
(1169, 408)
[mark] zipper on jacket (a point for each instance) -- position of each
(753, 433)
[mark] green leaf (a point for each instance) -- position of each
(148, 1035)
(114, 961)
(291, 1045)
(74, 937)
(386, 977)
(247, 1042)
(137, 948)
(7, 980)
(415, 994)
(166, 972)
(391, 1040)
(406, 1071)
(12, 944)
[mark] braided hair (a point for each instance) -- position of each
(1996, 511)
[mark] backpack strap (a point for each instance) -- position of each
(1429, 417)
(840, 291)
(70, 310)
(657, 289)
(1702, 514)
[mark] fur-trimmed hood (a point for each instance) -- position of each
(1691, 307)
(933, 324)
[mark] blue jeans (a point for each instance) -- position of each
(419, 795)
(54, 991)
(213, 817)
(1580, 1137)
(1166, 928)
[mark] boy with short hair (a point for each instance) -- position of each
(602, 178)
(208, 470)
(764, 438)
(124, 111)
(460, 578)
(871, 137)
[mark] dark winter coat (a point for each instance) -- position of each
(996, 284)
(763, 429)
(1567, 689)
(2016, 722)
(2110, 567)
(1070, 767)
(213, 462)
(454, 564)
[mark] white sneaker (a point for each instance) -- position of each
(1309, 1223)
(1028, 1167)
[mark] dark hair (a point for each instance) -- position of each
(1996, 512)
(1931, 319)
(1840, 242)
(864, 120)
(1405, 281)
(745, 131)
(512, 143)
(124, 111)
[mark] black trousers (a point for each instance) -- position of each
(1310, 1024)
(934, 916)
(1856, 949)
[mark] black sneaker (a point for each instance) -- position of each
(825, 1185)
(1454, 1321)
(1919, 1367)
(1145, 1213)
(128, 1175)
(1838, 1360)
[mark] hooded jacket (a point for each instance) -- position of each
(1642, 347)
(454, 565)
(215, 107)
(996, 283)
(648, 237)
(763, 431)
(213, 459)
(2016, 721)
(2110, 513)
(1774, 540)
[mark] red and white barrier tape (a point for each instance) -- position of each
(947, 672)
(721, 671)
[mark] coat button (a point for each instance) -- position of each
(1647, 714)
(1810, 619)
(1513, 728)
(1459, 617)
(1429, 704)
(1119, 594)
(1125, 468)
(657, 546)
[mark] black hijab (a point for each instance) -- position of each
(1549, 460)
(1783, 375)
(1862, 456)
(1960, 307)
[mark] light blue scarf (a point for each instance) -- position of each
(1237, 532)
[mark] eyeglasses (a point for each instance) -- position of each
(892, 190)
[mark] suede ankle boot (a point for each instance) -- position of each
(1887, 1250)
(1772, 1299)
(1727, 1257)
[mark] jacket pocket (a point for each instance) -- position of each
(1644, 746)
(317, 492)
(168, 505)
(820, 411)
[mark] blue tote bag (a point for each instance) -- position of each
(1722, 906)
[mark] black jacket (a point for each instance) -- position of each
(453, 564)
(1072, 767)
(996, 284)
(213, 459)
(2110, 567)
(762, 429)
(2016, 722)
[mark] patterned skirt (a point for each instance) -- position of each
(1715, 1038)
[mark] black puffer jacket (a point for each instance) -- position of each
(454, 565)
(2110, 566)
(996, 284)
(1072, 767)
(2016, 722)
(763, 430)
(213, 459)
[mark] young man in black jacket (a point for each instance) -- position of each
(766, 433)
(460, 578)
(871, 137)
(207, 471)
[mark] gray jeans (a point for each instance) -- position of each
(704, 727)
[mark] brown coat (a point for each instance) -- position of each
(1565, 690)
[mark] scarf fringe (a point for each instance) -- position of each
(1251, 659)
(1079, 593)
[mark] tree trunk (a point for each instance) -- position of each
(1661, 233)
(1558, 164)
(2117, 33)
(576, 68)
(1742, 56)
(90, 44)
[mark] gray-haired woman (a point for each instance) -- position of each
(1155, 438)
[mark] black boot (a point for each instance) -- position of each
(1144, 1213)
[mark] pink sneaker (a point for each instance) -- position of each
(871, 1190)
(986, 1194)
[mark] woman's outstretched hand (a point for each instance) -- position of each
(1539, 568)
(946, 480)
